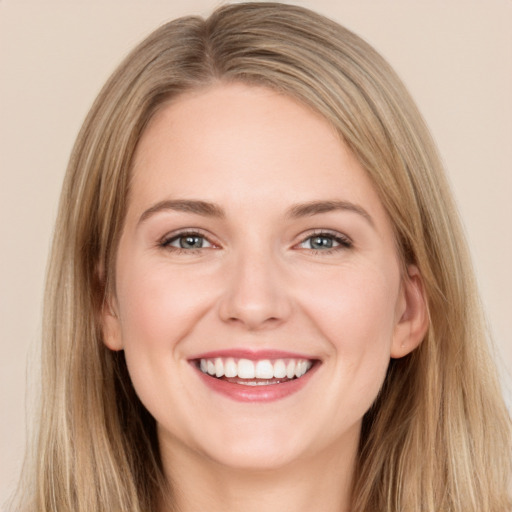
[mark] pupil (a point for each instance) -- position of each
(191, 242)
(321, 242)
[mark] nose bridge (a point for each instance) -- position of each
(254, 295)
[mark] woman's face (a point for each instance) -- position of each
(255, 246)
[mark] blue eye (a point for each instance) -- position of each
(325, 242)
(188, 241)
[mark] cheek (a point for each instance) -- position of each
(356, 305)
(158, 307)
(356, 314)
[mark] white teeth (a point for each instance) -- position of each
(230, 368)
(301, 368)
(246, 369)
(258, 382)
(290, 369)
(279, 369)
(219, 367)
(263, 369)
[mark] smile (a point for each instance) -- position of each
(255, 373)
(253, 377)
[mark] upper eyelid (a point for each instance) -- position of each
(344, 242)
(214, 241)
(168, 237)
(185, 231)
(326, 232)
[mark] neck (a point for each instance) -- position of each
(322, 482)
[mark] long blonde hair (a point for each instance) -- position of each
(438, 436)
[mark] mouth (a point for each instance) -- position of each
(254, 380)
(246, 372)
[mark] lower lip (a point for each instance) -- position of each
(269, 393)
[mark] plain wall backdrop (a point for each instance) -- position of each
(455, 56)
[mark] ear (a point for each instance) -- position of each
(111, 325)
(412, 315)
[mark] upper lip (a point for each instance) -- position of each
(253, 355)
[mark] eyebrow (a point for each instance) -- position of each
(203, 208)
(317, 207)
(208, 209)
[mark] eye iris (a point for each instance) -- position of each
(191, 242)
(321, 242)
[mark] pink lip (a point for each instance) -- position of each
(244, 393)
(253, 355)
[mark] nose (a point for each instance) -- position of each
(255, 295)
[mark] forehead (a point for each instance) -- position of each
(245, 144)
(214, 119)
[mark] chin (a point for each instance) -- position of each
(255, 457)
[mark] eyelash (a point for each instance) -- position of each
(343, 242)
(166, 242)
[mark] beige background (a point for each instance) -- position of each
(455, 56)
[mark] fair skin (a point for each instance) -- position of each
(251, 228)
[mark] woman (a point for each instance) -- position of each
(259, 293)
